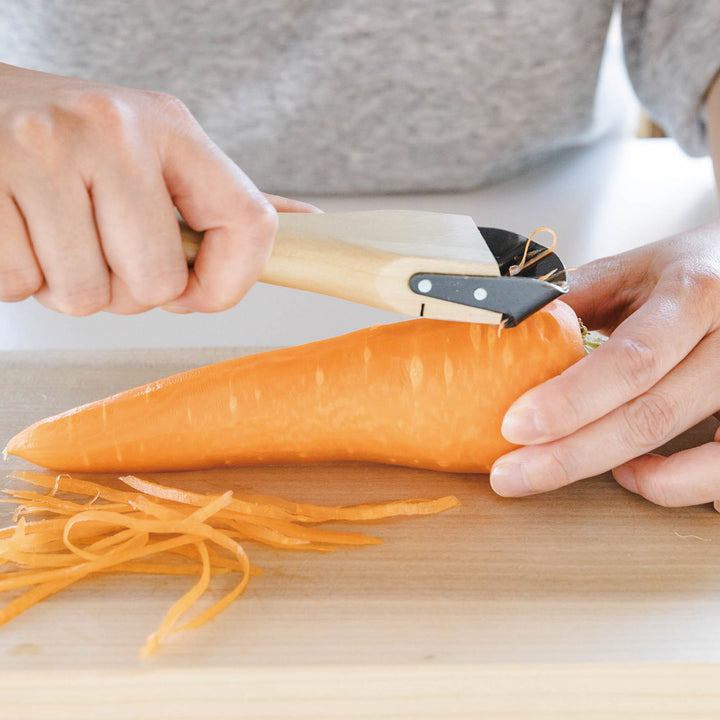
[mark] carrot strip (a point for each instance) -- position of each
(310, 534)
(164, 569)
(215, 505)
(190, 498)
(41, 561)
(51, 541)
(165, 527)
(16, 541)
(37, 526)
(75, 486)
(223, 603)
(105, 542)
(32, 597)
(381, 511)
(182, 605)
(118, 538)
(55, 504)
(153, 509)
(261, 533)
(279, 509)
(374, 511)
(219, 565)
(229, 564)
(82, 569)
(283, 544)
(200, 532)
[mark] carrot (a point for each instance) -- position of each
(421, 393)
(123, 534)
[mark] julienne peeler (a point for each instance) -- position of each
(417, 263)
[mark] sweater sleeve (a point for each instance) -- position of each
(672, 52)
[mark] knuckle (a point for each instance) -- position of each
(80, 301)
(31, 130)
(101, 108)
(637, 364)
(220, 296)
(557, 470)
(563, 466)
(170, 105)
(649, 420)
(16, 285)
(219, 300)
(697, 274)
(567, 412)
(696, 282)
(653, 488)
(49, 134)
(265, 217)
(160, 286)
(708, 284)
(262, 220)
(707, 288)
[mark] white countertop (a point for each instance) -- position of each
(599, 200)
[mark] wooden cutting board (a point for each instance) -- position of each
(586, 602)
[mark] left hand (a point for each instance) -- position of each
(656, 376)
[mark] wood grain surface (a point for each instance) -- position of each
(587, 602)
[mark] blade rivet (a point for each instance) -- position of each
(480, 293)
(424, 286)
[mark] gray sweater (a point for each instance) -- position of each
(351, 96)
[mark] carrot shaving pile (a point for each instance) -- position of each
(160, 530)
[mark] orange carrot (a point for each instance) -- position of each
(110, 537)
(421, 393)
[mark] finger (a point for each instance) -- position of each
(283, 204)
(689, 477)
(60, 222)
(603, 292)
(239, 224)
(139, 232)
(123, 299)
(679, 401)
(643, 349)
(20, 274)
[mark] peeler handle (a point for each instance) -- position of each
(332, 254)
(304, 258)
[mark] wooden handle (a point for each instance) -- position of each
(368, 257)
(304, 257)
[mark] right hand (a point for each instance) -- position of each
(90, 179)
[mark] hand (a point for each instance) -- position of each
(657, 375)
(90, 179)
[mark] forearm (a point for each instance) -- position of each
(713, 121)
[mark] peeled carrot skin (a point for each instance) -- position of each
(124, 527)
(420, 393)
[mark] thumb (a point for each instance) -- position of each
(238, 222)
(283, 204)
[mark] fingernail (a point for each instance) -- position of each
(508, 480)
(523, 425)
(176, 308)
(625, 475)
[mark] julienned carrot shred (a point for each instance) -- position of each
(155, 529)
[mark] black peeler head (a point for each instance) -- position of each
(509, 247)
(525, 285)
